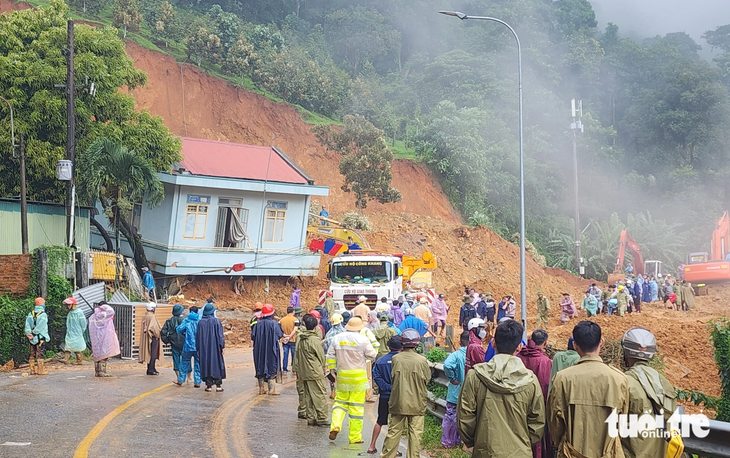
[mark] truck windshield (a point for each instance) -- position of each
(363, 272)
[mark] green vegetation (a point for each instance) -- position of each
(439, 391)
(698, 398)
(431, 441)
(436, 355)
(720, 336)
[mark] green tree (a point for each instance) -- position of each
(167, 25)
(92, 7)
(127, 15)
(31, 63)
(366, 160)
(116, 177)
(202, 43)
(240, 58)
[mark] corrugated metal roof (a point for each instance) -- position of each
(119, 297)
(232, 160)
(87, 297)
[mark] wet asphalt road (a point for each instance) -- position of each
(56, 412)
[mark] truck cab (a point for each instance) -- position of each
(374, 276)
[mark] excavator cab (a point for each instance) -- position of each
(653, 268)
(698, 258)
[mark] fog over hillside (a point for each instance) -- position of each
(647, 18)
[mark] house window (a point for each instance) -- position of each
(227, 229)
(135, 215)
(196, 217)
(274, 224)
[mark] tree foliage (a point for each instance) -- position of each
(31, 63)
(126, 15)
(366, 160)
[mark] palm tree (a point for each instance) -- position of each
(117, 178)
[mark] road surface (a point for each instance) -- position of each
(69, 413)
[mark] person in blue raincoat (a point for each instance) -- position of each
(210, 343)
(455, 369)
(189, 327)
(148, 281)
(76, 324)
(266, 351)
(36, 330)
(413, 323)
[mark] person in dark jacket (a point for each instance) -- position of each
(210, 344)
(382, 375)
(170, 336)
(266, 352)
(534, 359)
(467, 312)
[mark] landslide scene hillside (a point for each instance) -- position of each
(652, 159)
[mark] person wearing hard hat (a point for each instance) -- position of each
(75, 326)
(361, 309)
(543, 310)
(266, 355)
(408, 395)
(256, 314)
(347, 359)
(149, 343)
(329, 304)
(475, 350)
(622, 300)
(649, 391)
(36, 330)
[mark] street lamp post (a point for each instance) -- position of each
(523, 276)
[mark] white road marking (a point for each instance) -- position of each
(17, 444)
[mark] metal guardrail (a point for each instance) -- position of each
(715, 445)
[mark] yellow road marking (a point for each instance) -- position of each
(82, 451)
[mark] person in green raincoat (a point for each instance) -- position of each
(590, 304)
(329, 304)
(563, 359)
(649, 391)
(688, 296)
(36, 330)
(383, 333)
(309, 365)
(76, 324)
(501, 411)
(622, 296)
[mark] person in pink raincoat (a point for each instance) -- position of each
(104, 341)
(439, 311)
(567, 308)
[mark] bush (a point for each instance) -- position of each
(354, 220)
(436, 355)
(720, 336)
(13, 343)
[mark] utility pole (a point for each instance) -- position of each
(23, 199)
(577, 124)
(71, 130)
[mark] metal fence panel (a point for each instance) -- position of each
(87, 297)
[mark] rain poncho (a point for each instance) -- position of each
(439, 310)
(653, 290)
(408, 392)
(266, 353)
(148, 280)
(348, 353)
(501, 411)
(150, 329)
(398, 315)
(336, 329)
(189, 327)
(295, 300)
(75, 327)
(413, 323)
(474, 351)
(454, 368)
(535, 360)
(590, 305)
(36, 323)
(104, 341)
(169, 333)
(383, 333)
(210, 343)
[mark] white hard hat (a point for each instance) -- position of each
(151, 306)
(475, 323)
(362, 299)
(408, 311)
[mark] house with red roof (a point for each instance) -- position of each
(228, 204)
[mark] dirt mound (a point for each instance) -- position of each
(195, 104)
(10, 5)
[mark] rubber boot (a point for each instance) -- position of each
(104, 373)
(272, 388)
(262, 389)
(97, 369)
(79, 358)
(66, 356)
(31, 362)
(41, 370)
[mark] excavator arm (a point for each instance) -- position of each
(412, 265)
(628, 243)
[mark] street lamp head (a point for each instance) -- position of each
(461, 16)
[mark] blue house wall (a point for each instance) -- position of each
(171, 253)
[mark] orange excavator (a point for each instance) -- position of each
(627, 242)
(714, 267)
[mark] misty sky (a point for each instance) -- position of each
(647, 18)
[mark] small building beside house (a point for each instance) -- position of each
(228, 204)
(46, 226)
